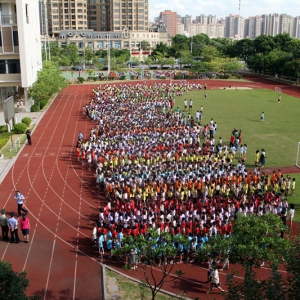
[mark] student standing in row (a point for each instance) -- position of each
(13, 228)
(25, 226)
(4, 226)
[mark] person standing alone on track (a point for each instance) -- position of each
(19, 197)
(28, 135)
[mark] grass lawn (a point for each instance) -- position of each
(129, 289)
(279, 134)
(241, 109)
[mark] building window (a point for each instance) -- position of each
(10, 66)
(80, 10)
(100, 45)
(16, 38)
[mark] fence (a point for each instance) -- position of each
(15, 145)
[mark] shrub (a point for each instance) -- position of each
(4, 137)
(153, 68)
(95, 78)
(3, 128)
(165, 68)
(178, 76)
(34, 107)
(43, 103)
(162, 77)
(122, 77)
(26, 121)
(20, 128)
(80, 79)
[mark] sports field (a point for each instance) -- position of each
(241, 109)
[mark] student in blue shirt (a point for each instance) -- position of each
(100, 244)
(109, 245)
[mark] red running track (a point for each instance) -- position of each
(63, 203)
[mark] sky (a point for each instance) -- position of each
(222, 8)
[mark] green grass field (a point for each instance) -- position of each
(241, 109)
(279, 134)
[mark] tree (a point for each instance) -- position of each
(161, 49)
(209, 53)
(154, 251)
(71, 52)
(264, 44)
(12, 284)
(253, 241)
(48, 83)
(89, 55)
(145, 45)
(244, 48)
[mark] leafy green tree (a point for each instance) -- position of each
(186, 57)
(182, 40)
(89, 55)
(264, 44)
(244, 48)
(148, 61)
(161, 49)
(209, 53)
(12, 284)
(254, 240)
(71, 52)
(145, 45)
(281, 40)
(48, 83)
(154, 251)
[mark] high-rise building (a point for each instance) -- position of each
(115, 15)
(43, 17)
(66, 15)
(296, 27)
(234, 27)
(253, 27)
(169, 18)
(20, 48)
(210, 19)
(186, 21)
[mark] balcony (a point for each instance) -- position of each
(8, 19)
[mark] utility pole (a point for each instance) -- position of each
(239, 21)
(108, 54)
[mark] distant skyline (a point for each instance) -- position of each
(222, 8)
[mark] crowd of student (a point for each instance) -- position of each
(162, 169)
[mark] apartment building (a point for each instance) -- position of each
(169, 18)
(115, 15)
(20, 47)
(66, 15)
(234, 27)
(253, 27)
